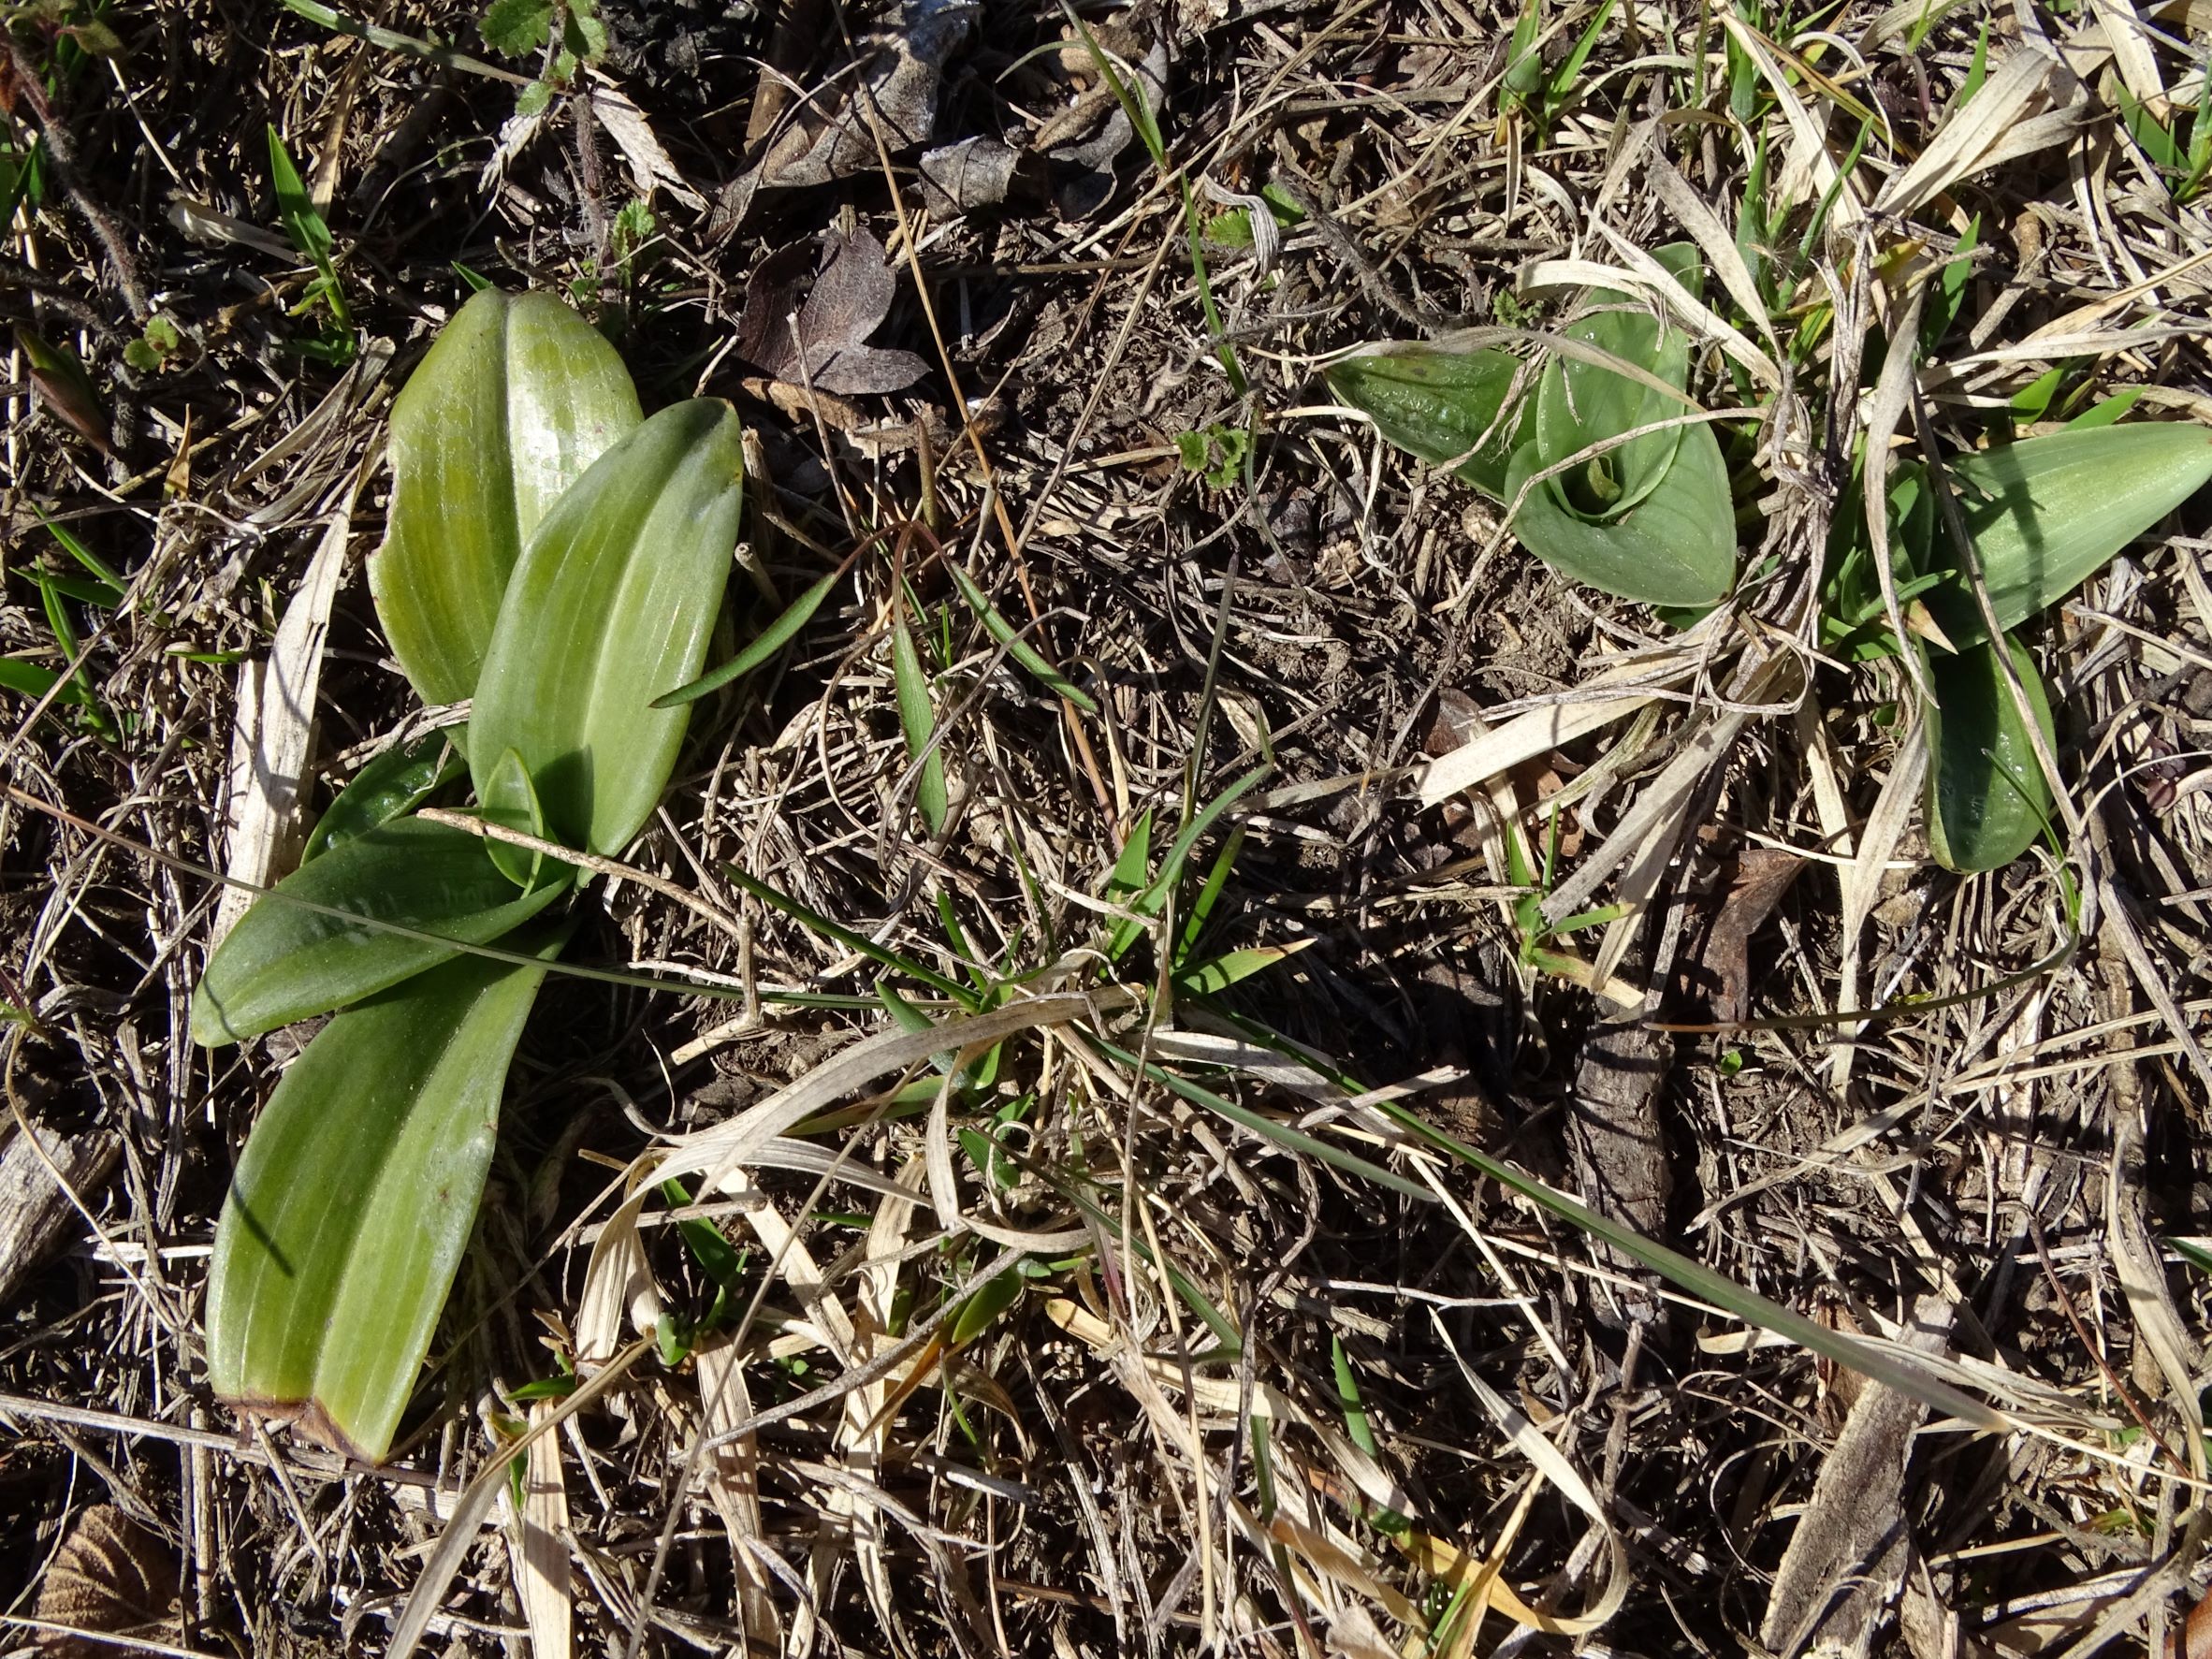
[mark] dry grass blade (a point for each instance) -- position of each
(538, 1544)
(276, 720)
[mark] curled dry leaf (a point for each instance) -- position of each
(846, 301)
(902, 74)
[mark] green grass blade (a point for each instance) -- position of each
(917, 718)
(1282, 1134)
(1706, 1284)
(772, 638)
(815, 921)
(1149, 903)
(1020, 650)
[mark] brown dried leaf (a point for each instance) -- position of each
(1720, 975)
(846, 302)
(112, 1577)
(829, 137)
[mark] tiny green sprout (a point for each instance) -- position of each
(1218, 452)
(157, 343)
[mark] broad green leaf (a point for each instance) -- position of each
(1441, 407)
(612, 605)
(975, 1316)
(2047, 513)
(1580, 403)
(389, 786)
(1988, 798)
(516, 400)
(286, 961)
(1676, 547)
(353, 1199)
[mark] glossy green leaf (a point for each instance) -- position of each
(353, 1199)
(1580, 403)
(512, 802)
(389, 786)
(1676, 547)
(286, 961)
(2049, 512)
(613, 605)
(1441, 407)
(1988, 799)
(518, 397)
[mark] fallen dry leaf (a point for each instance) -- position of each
(846, 301)
(1719, 976)
(112, 1577)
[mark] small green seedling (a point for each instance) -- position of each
(564, 35)
(1217, 452)
(310, 235)
(530, 505)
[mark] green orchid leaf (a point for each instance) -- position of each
(1988, 799)
(2047, 513)
(389, 786)
(980, 1312)
(518, 396)
(511, 801)
(294, 955)
(353, 1199)
(1438, 405)
(1580, 403)
(1676, 547)
(613, 605)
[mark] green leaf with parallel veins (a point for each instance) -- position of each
(518, 397)
(2047, 513)
(286, 961)
(391, 785)
(612, 605)
(1441, 407)
(1988, 799)
(1676, 547)
(512, 803)
(1579, 404)
(354, 1200)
